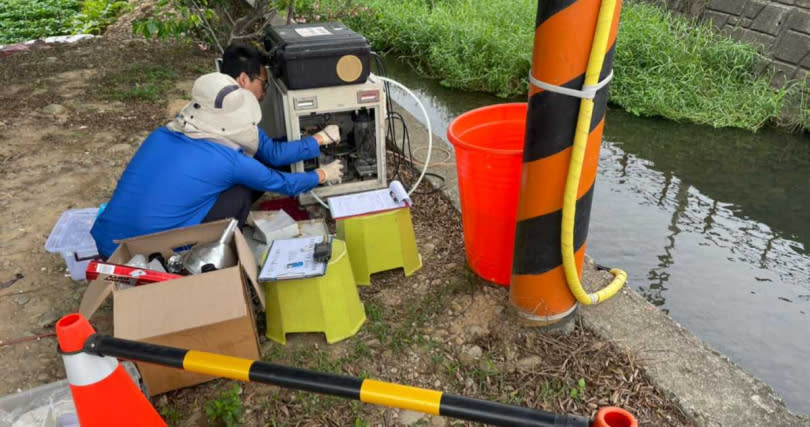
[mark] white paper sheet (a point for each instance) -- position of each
(393, 197)
(292, 259)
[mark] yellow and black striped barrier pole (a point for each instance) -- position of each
(365, 390)
(572, 62)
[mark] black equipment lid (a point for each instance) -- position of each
(316, 39)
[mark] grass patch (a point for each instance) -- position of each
(665, 65)
(675, 68)
(140, 83)
(467, 44)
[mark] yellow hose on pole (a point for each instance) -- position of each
(595, 62)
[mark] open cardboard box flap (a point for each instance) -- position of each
(207, 312)
(98, 290)
(183, 304)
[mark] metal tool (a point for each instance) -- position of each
(219, 253)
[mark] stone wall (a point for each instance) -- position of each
(780, 27)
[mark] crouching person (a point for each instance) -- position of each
(206, 165)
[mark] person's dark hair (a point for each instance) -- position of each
(239, 58)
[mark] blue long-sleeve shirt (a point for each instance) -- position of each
(277, 154)
(173, 181)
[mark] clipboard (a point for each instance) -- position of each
(289, 259)
(369, 202)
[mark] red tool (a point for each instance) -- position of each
(127, 275)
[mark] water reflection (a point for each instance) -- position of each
(658, 276)
(733, 281)
(764, 175)
(690, 209)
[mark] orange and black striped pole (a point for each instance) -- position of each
(564, 34)
(365, 390)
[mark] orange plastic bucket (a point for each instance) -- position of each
(489, 157)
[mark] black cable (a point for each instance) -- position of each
(403, 151)
(391, 131)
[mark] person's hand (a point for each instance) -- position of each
(332, 172)
(329, 135)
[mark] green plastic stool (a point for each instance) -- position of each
(328, 303)
(380, 242)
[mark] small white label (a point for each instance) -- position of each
(312, 31)
(105, 269)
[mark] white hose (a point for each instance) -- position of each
(427, 124)
(429, 132)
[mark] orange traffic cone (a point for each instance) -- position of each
(103, 392)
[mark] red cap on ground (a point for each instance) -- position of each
(611, 416)
(72, 331)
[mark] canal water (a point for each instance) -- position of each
(711, 225)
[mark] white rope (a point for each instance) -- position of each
(587, 91)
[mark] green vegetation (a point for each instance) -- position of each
(665, 65)
(22, 20)
(96, 15)
(212, 22)
(142, 83)
(680, 70)
(177, 18)
(578, 392)
(469, 44)
(359, 422)
(227, 409)
(170, 415)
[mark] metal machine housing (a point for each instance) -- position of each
(360, 112)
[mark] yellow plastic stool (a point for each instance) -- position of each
(328, 303)
(380, 242)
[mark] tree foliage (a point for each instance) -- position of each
(214, 22)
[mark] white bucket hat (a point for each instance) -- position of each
(221, 112)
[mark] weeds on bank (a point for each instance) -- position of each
(682, 70)
(665, 65)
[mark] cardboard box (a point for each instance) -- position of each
(207, 312)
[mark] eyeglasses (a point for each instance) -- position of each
(265, 83)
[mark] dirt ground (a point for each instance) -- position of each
(72, 116)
